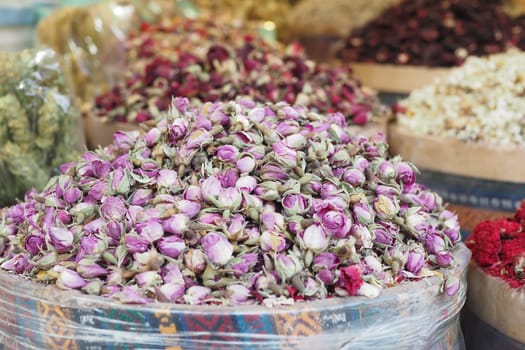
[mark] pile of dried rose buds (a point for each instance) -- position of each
(479, 102)
(207, 62)
(233, 203)
(498, 247)
(435, 33)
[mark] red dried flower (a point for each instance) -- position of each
(293, 293)
(499, 248)
(352, 279)
(207, 62)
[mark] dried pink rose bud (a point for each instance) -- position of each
(141, 197)
(363, 214)
(285, 155)
(452, 225)
(90, 269)
(168, 178)
(196, 295)
(132, 295)
(136, 244)
(189, 208)
(68, 279)
(152, 136)
(272, 221)
(19, 263)
(34, 244)
(178, 129)
(434, 243)
(326, 260)
(245, 263)
(227, 153)
(148, 278)
(315, 239)
(246, 183)
(273, 172)
(198, 139)
(444, 258)
(271, 241)
(354, 177)
(229, 198)
(245, 164)
(170, 292)
(193, 193)
(336, 223)
(362, 235)
(124, 141)
(415, 261)
(98, 190)
(113, 208)
(176, 224)
(61, 239)
(92, 245)
(385, 207)
(195, 260)
(386, 171)
(171, 246)
(287, 265)
(406, 173)
(326, 276)
(295, 204)
(217, 248)
(237, 294)
(151, 230)
(120, 181)
(210, 188)
(72, 195)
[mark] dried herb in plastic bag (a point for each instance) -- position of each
(39, 126)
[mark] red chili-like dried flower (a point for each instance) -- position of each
(498, 247)
(485, 243)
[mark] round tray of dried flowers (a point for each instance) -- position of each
(396, 78)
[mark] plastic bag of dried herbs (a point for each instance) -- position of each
(89, 39)
(39, 126)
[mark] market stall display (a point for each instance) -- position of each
(207, 61)
(226, 204)
(465, 132)
(495, 277)
(39, 127)
(426, 36)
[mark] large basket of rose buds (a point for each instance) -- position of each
(233, 225)
(465, 134)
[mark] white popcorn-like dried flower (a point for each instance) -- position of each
(482, 101)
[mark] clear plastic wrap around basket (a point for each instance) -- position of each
(412, 316)
(39, 126)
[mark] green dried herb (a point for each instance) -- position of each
(39, 126)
